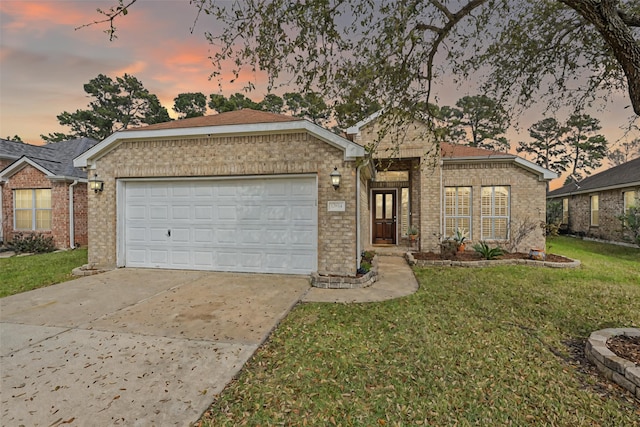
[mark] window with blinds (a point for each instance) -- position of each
(457, 210)
(495, 213)
(32, 209)
(565, 210)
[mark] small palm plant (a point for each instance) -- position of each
(486, 252)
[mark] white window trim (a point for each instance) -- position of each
(493, 216)
(456, 216)
(33, 210)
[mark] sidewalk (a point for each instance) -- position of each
(395, 280)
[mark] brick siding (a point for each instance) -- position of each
(611, 204)
(264, 154)
(31, 178)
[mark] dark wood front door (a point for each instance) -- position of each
(384, 217)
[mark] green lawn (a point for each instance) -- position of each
(24, 273)
(494, 346)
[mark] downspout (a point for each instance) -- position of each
(358, 231)
(441, 202)
(72, 228)
(1, 219)
(358, 250)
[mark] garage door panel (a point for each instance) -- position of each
(136, 212)
(227, 213)
(252, 225)
(158, 212)
(203, 212)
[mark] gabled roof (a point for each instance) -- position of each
(456, 153)
(246, 121)
(245, 116)
(624, 175)
(55, 159)
(13, 150)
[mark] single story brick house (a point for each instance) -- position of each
(592, 206)
(42, 192)
(252, 191)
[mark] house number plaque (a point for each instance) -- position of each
(336, 206)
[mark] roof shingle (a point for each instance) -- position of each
(617, 176)
(56, 157)
(239, 117)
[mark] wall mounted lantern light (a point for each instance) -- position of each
(335, 178)
(96, 184)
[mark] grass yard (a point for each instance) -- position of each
(20, 274)
(494, 346)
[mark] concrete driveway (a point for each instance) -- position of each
(133, 346)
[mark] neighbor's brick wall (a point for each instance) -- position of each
(528, 196)
(287, 153)
(31, 178)
(611, 204)
(5, 162)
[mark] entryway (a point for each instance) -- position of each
(384, 217)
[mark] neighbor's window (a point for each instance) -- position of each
(595, 210)
(630, 201)
(565, 210)
(495, 213)
(32, 209)
(457, 210)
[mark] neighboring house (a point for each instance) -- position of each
(592, 207)
(39, 187)
(252, 191)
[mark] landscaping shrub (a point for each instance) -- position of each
(32, 243)
(487, 253)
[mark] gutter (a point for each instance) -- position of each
(72, 228)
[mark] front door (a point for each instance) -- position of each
(384, 217)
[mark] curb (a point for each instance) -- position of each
(489, 263)
(621, 371)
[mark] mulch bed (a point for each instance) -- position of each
(626, 347)
(474, 256)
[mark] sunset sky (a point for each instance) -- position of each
(44, 62)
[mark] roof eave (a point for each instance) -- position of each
(20, 164)
(351, 150)
(594, 190)
(544, 174)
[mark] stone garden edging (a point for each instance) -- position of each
(621, 371)
(489, 263)
(345, 282)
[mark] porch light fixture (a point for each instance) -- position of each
(335, 178)
(96, 184)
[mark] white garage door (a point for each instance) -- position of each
(267, 225)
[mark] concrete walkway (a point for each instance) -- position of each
(395, 280)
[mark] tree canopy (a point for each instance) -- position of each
(116, 105)
(478, 121)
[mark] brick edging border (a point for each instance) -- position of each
(621, 371)
(489, 263)
(345, 282)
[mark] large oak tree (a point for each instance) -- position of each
(565, 52)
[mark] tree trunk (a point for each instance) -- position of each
(604, 16)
